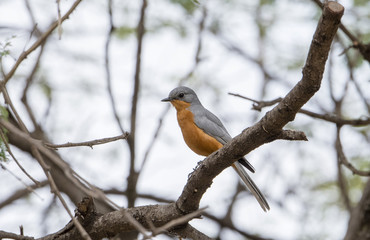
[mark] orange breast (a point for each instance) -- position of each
(196, 139)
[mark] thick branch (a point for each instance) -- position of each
(109, 224)
(359, 224)
(363, 48)
(273, 122)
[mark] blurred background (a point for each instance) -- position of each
(85, 82)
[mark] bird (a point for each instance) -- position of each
(204, 133)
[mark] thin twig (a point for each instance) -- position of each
(60, 30)
(29, 188)
(43, 37)
(343, 159)
(8, 235)
(4, 140)
(136, 224)
(131, 140)
(107, 67)
(342, 183)
(327, 117)
(176, 222)
(20, 193)
(88, 143)
(28, 84)
(55, 190)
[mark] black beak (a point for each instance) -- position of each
(166, 100)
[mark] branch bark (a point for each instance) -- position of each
(359, 224)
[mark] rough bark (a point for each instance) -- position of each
(359, 222)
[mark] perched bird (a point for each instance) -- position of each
(204, 133)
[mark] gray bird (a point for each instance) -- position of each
(204, 133)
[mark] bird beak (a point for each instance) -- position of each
(166, 100)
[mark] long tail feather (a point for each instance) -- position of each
(251, 186)
(243, 161)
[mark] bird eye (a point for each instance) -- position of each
(181, 95)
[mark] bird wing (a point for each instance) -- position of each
(210, 124)
(213, 126)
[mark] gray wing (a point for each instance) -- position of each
(210, 124)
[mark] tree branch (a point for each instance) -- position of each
(258, 105)
(131, 140)
(342, 159)
(88, 143)
(359, 224)
(9, 235)
(39, 41)
(363, 48)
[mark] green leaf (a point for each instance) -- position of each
(4, 46)
(188, 5)
(267, 2)
(3, 151)
(124, 32)
(4, 112)
(179, 27)
(45, 87)
(361, 3)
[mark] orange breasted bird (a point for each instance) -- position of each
(204, 133)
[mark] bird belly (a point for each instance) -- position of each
(196, 139)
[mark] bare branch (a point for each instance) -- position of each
(258, 105)
(43, 37)
(28, 84)
(107, 66)
(343, 159)
(60, 30)
(178, 221)
(88, 143)
(136, 224)
(78, 225)
(337, 120)
(131, 140)
(359, 224)
(363, 48)
(8, 235)
(4, 140)
(22, 193)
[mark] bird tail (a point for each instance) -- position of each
(251, 186)
(243, 161)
